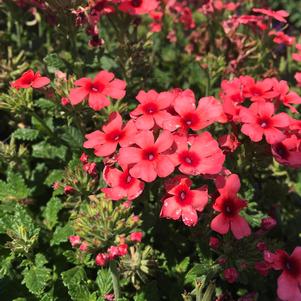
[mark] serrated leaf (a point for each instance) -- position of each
(14, 188)
(75, 280)
(73, 137)
(61, 234)
(36, 279)
(198, 270)
(55, 175)
(104, 281)
(183, 265)
(40, 260)
(26, 134)
(45, 104)
(47, 151)
(51, 211)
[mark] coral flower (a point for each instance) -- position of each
(288, 151)
(149, 158)
(98, 90)
(259, 120)
(30, 79)
(138, 7)
(289, 282)
(122, 184)
(184, 202)
(152, 109)
(203, 157)
(278, 15)
(260, 91)
(229, 206)
(105, 142)
(207, 112)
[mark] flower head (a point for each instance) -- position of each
(98, 90)
(30, 79)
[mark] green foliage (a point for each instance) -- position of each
(14, 189)
(26, 134)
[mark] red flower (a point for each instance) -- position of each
(202, 157)
(148, 159)
(231, 275)
(98, 90)
(289, 282)
(105, 143)
(282, 38)
(288, 151)
(122, 184)
(207, 112)
(138, 7)
(259, 91)
(74, 240)
(101, 259)
(258, 120)
(183, 202)
(298, 78)
(152, 109)
(30, 79)
(228, 142)
(278, 15)
(229, 205)
(136, 236)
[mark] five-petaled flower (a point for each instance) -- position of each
(30, 79)
(98, 90)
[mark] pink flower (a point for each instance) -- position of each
(122, 184)
(136, 236)
(289, 282)
(282, 38)
(152, 109)
(278, 15)
(288, 151)
(202, 157)
(208, 111)
(138, 7)
(74, 240)
(259, 91)
(98, 90)
(90, 168)
(84, 246)
(148, 158)
(105, 142)
(298, 78)
(259, 120)
(30, 79)
(101, 259)
(122, 249)
(231, 275)
(184, 202)
(68, 189)
(84, 158)
(214, 242)
(64, 101)
(229, 205)
(228, 143)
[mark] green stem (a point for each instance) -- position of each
(115, 279)
(43, 124)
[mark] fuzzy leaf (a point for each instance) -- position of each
(73, 137)
(26, 134)
(61, 234)
(104, 281)
(47, 151)
(36, 278)
(55, 175)
(51, 211)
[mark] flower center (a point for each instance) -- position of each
(97, 87)
(114, 136)
(264, 123)
(150, 108)
(189, 158)
(292, 267)
(229, 208)
(281, 150)
(128, 179)
(182, 195)
(150, 154)
(190, 119)
(136, 3)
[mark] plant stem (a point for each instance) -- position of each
(115, 279)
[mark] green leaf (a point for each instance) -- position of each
(47, 151)
(73, 137)
(200, 269)
(104, 281)
(75, 280)
(26, 134)
(51, 211)
(54, 63)
(56, 175)
(36, 279)
(14, 188)
(61, 234)
(45, 104)
(183, 265)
